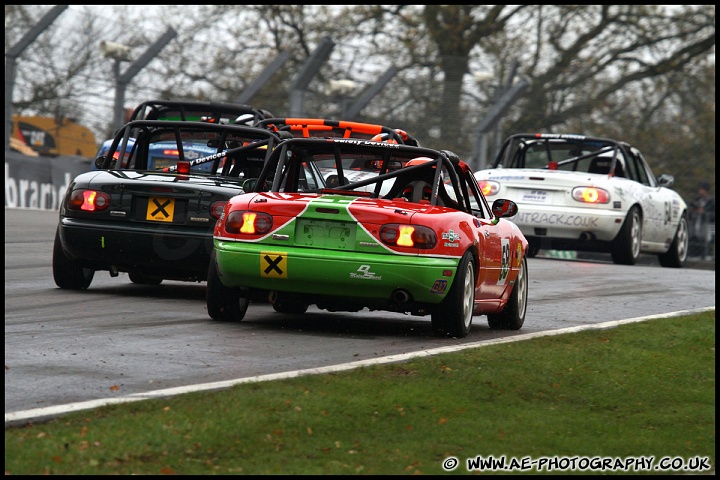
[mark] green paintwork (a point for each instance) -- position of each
(335, 272)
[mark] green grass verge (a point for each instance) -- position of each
(639, 390)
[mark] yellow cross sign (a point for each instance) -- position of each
(160, 209)
(273, 264)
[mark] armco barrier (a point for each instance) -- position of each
(39, 182)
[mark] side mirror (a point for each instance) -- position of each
(249, 184)
(665, 180)
(503, 208)
(100, 163)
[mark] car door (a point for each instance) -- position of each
(656, 202)
(492, 249)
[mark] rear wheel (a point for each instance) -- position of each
(625, 248)
(453, 316)
(67, 272)
(286, 303)
(513, 315)
(677, 253)
(224, 303)
(533, 247)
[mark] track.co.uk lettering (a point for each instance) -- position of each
(580, 464)
(556, 219)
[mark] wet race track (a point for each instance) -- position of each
(118, 339)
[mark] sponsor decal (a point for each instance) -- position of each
(439, 287)
(367, 142)
(556, 219)
(363, 272)
(450, 235)
(519, 254)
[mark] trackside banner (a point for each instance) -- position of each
(39, 182)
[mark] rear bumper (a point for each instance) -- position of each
(568, 223)
(352, 275)
(167, 252)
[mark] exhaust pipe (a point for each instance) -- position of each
(400, 296)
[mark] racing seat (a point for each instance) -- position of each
(405, 186)
(619, 169)
(600, 165)
(417, 191)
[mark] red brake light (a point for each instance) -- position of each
(489, 187)
(590, 195)
(216, 209)
(416, 236)
(88, 200)
(249, 223)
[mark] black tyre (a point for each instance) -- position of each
(144, 279)
(285, 303)
(224, 303)
(453, 317)
(513, 315)
(67, 272)
(677, 253)
(533, 248)
(625, 248)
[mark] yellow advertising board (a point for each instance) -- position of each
(51, 137)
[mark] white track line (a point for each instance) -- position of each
(37, 413)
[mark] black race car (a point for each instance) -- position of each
(149, 215)
(192, 111)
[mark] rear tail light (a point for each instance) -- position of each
(88, 200)
(590, 195)
(216, 209)
(414, 236)
(248, 223)
(489, 187)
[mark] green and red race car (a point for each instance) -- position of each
(420, 239)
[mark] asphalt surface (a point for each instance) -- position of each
(118, 340)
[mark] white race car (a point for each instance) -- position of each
(582, 193)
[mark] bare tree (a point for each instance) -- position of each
(604, 70)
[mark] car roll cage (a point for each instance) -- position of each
(323, 128)
(139, 129)
(522, 140)
(283, 157)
